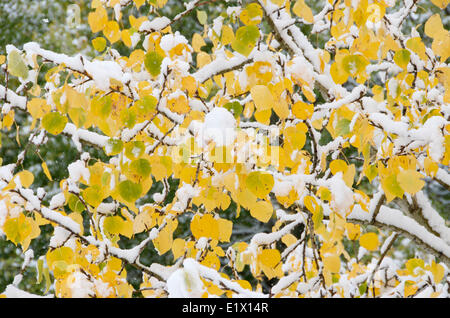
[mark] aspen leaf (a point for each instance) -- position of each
(410, 181)
(113, 147)
(16, 64)
(402, 57)
(245, 39)
(391, 187)
(353, 231)
(416, 45)
(75, 203)
(93, 195)
(303, 11)
(26, 178)
(354, 64)
(116, 225)
(227, 35)
(225, 229)
(141, 167)
(98, 19)
(153, 62)
(197, 42)
(262, 211)
(441, 3)
(235, 108)
(17, 229)
(99, 44)
(269, 257)
(112, 31)
(205, 226)
(163, 243)
(130, 191)
(142, 222)
(433, 26)
(202, 17)
(259, 183)
(369, 241)
(303, 110)
(252, 14)
(178, 248)
(46, 171)
(262, 97)
(332, 263)
(54, 122)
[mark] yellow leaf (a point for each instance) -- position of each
(369, 241)
(99, 43)
(163, 243)
(98, 19)
(441, 3)
(225, 229)
(302, 10)
(260, 183)
(143, 222)
(332, 263)
(289, 239)
(38, 107)
(353, 231)
(46, 171)
(437, 270)
(262, 97)
(205, 226)
(197, 42)
(178, 248)
(269, 257)
(227, 35)
(17, 229)
(262, 211)
(112, 31)
(410, 181)
(26, 178)
(302, 110)
(434, 27)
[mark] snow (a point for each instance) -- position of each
(57, 201)
(103, 71)
(342, 196)
(12, 291)
(185, 193)
(219, 126)
(185, 282)
(80, 286)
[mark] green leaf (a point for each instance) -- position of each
(54, 122)
(75, 204)
(401, 58)
(146, 104)
(354, 64)
(363, 288)
(129, 190)
(113, 147)
(260, 183)
(202, 17)
(40, 269)
(141, 167)
(343, 127)
(16, 65)
(234, 107)
(245, 39)
(134, 149)
(93, 195)
(152, 62)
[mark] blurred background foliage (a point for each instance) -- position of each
(51, 24)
